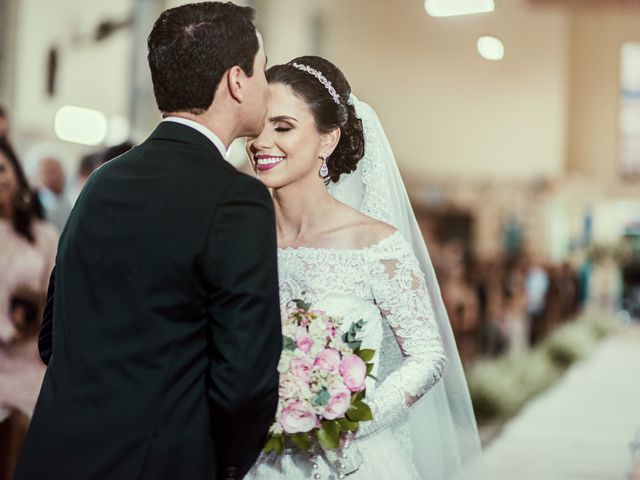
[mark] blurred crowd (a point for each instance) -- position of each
(505, 305)
(33, 212)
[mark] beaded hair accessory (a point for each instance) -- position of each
(323, 80)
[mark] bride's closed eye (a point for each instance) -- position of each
(283, 128)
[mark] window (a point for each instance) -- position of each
(629, 121)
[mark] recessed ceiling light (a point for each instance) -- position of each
(491, 48)
(449, 8)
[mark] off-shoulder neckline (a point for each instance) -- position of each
(373, 246)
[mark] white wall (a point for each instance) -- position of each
(447, 111)
(90, 74)
(287, 27)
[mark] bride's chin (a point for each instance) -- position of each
(277, 183)
(268, 182)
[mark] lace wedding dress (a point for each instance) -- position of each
(392, 286)
(384, 286)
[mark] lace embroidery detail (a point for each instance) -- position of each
(382, 284)
(388, 275)
(399, 290)
(377, 196)
(367, 189)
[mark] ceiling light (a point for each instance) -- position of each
(449, 8)
(80, 125)
(490, 48)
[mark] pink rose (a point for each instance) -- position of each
(354, 372)
(298, 417)
(328, 360)
(301, 368)
(339, 402)
(304, 340)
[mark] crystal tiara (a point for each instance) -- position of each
(323, 80)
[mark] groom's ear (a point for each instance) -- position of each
(235, 77)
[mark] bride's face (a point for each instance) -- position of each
(289, 147)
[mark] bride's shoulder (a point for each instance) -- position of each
(368, 231)
(378, 231)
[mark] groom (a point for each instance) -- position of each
(162, 327)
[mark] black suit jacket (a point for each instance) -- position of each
(162, 329)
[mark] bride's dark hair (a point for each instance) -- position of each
(326, 112)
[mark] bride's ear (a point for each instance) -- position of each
(235, 83)
(330, 141)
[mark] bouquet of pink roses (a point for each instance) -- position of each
(322, 381)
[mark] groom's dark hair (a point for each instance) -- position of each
(190, 48)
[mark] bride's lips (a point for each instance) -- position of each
(267, 162)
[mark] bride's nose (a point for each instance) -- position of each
(261, 142)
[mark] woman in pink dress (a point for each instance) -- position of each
(27, 254)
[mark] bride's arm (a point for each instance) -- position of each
(399, 290)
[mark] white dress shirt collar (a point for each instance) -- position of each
(203, 130)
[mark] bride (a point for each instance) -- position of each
(349, 244)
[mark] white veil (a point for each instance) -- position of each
(444, 434)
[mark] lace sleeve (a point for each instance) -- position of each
(399, 290)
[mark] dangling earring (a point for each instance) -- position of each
(324, 169)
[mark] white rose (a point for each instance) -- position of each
(318, 329)
(285, 361)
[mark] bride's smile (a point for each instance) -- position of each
(290, 146)
(267, 162)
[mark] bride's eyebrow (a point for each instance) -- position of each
(281, 118)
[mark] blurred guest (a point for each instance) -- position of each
(115, 151)
(516, 321)
(91, 162)
(461, 302)
(569, 289)
(536, 286)
(494, 333)
(553, 311)
(51, 191)
(26, 260)
(4, 124)
(88, 164)
(21, 373)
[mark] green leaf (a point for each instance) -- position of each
(275, 444)
(366, 355)
(288, 343)
(321, 398)
(301, 440)
(357, 397)
(359, 412)
(329, 435)
(347, 425)
(302, 304)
